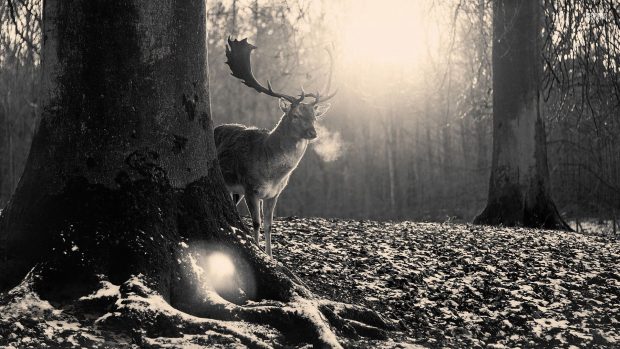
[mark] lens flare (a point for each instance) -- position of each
(219, 266)
(222, 270)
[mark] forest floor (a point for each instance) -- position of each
(448, 285)
(460, 285)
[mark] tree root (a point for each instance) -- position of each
(301, 319)
(147, 316)
(139, 312)
(365, 322)
(261, 324)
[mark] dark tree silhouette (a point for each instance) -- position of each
(519, 190)
(122, 175)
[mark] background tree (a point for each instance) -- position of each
(20, 33)
(122, 176)
(519, 189)
(440, 101)
(581, 89)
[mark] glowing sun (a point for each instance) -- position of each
(386, 33)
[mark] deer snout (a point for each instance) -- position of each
(310, 134)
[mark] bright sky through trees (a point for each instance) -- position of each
(389, 41)
(386, 33)
(382, 39)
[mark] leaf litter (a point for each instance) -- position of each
(457, 285)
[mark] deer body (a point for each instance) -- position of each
(257, 163)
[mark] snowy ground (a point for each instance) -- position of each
(449, 285)
(463, 285)
(594, 226)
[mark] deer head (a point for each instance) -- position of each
(299, 117)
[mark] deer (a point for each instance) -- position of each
(256, 163)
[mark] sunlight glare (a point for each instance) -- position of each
(384, 33)
(219, 266)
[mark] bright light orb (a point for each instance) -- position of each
(219, 266)
(385, 34)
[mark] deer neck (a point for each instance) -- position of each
(283, 141)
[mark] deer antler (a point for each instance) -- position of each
(238, 55)
(317, 96)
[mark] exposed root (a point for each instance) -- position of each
(143, 317)
(300, 320)
(365, 322)
(147, 316)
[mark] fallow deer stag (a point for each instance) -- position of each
(257, 163)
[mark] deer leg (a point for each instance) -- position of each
(270, 205)
(254, 207)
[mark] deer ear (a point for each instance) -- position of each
(321, 109)
(285, 105)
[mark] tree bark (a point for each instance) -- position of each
(125, 115)
(519, 189)
(122, 182)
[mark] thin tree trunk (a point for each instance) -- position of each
(390, 145)
(480, 123)
(11, 156)
(233, 22)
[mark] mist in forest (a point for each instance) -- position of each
(409, 134)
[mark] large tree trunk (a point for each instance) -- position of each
(124, 124)
(519, 190)
(122, 176)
